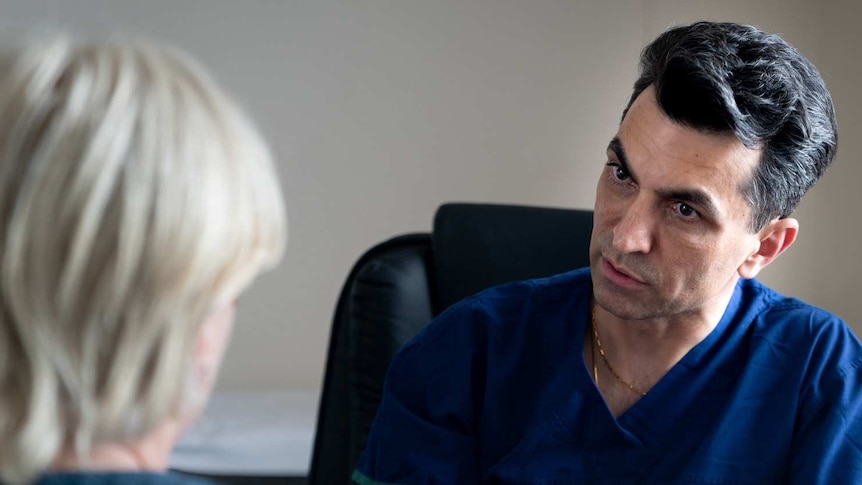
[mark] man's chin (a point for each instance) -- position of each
(624, 306)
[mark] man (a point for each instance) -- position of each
(665, 361)
(137, 202)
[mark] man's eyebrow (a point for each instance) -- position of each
(697, 197)
(616, 146)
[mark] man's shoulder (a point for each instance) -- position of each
(810, 331)
(545, 290)
(774, 307)
(498, 310)
(517, 299)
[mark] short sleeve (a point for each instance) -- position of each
(827, 444)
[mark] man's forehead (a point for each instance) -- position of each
(648, 131)
(682, 163)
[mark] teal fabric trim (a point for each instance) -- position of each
(361, 479)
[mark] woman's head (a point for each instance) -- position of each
(135, 200)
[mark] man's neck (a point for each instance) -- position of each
(628, 357)
(647, 349)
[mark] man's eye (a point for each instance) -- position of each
(619, 172)
(686, 211)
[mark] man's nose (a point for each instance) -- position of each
(634, 231)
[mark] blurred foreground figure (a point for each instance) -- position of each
(136, 204)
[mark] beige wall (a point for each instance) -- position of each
(381, 110)
(833, 255)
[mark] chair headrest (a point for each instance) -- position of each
(477, 246)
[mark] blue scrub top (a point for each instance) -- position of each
(496, 391)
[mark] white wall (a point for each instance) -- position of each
(381, 110)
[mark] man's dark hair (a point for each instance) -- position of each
(731, 78)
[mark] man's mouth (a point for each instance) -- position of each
(621, 275)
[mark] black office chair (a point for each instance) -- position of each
(398, 286)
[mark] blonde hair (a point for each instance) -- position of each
(134, 197)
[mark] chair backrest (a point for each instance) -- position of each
(477, 246)
(397, 287)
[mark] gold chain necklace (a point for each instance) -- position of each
(598, 343)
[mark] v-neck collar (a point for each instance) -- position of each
(643, 424)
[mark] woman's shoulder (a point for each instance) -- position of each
(117, 478)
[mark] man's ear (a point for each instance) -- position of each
(775, 238)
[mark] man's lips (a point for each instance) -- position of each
(621, 275)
